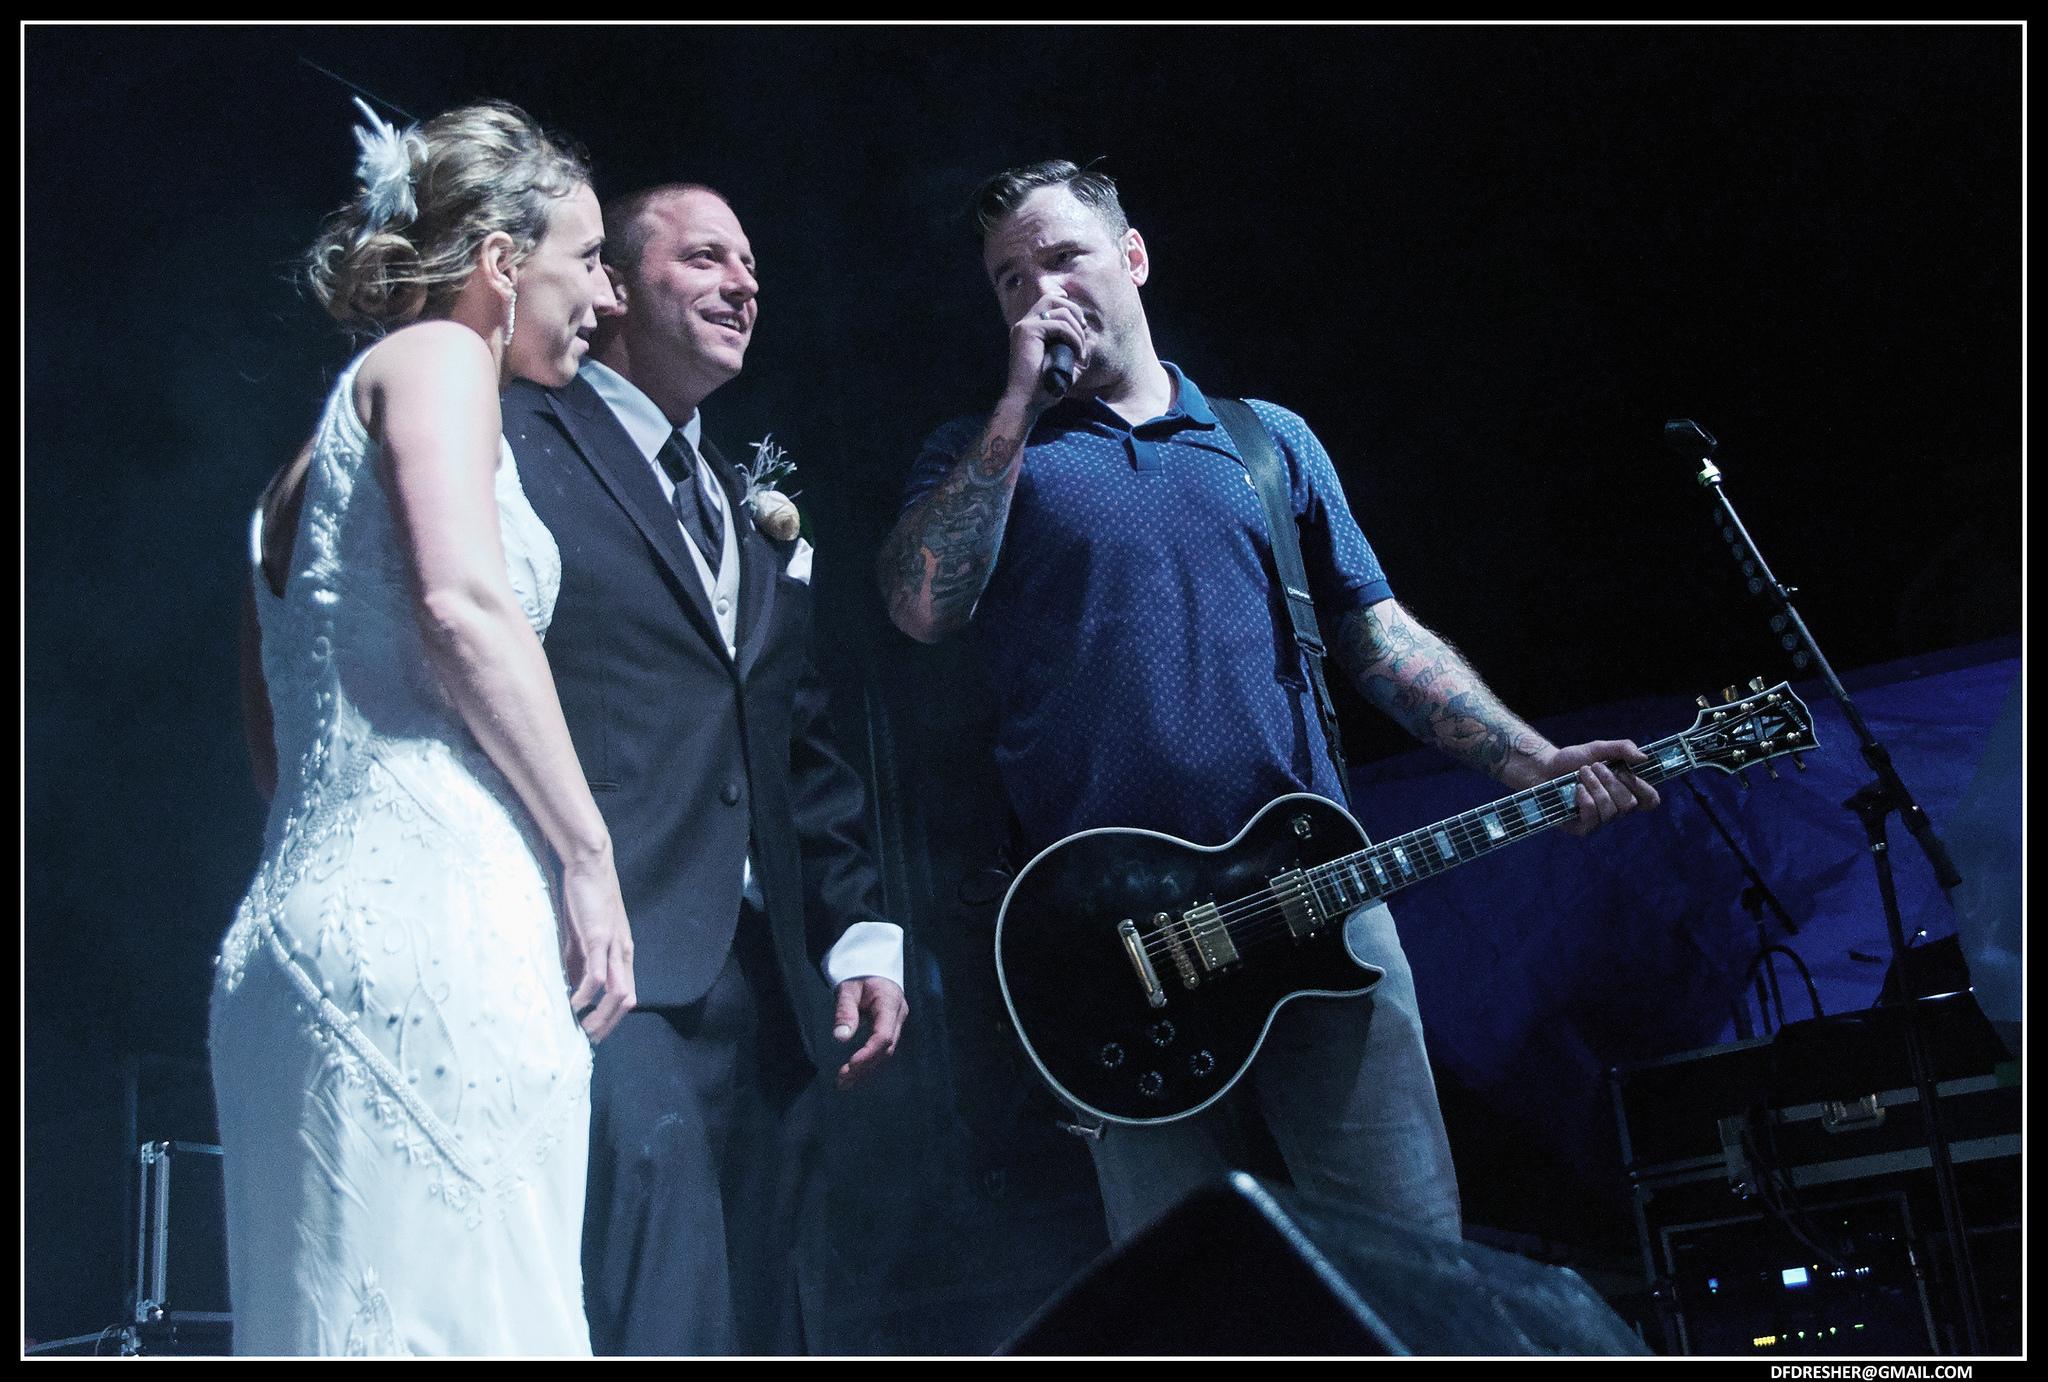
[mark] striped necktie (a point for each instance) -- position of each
(693, 506)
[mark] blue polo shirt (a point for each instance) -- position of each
(1143, 669)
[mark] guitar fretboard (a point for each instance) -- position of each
(1377, 870)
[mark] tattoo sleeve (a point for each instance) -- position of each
(1428, 688)
(936, 562)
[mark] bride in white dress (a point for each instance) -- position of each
(402, 1081)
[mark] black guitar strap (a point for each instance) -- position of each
(1269, 477)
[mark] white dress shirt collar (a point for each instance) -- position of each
(645, 423)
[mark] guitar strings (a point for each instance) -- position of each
(1467, 829)
(1258, 915)
(1239, 916)
(1241, 919)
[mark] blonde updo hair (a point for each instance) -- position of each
(476, 170)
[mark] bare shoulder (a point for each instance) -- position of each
(429, 342)
(440, 351)
(437, 359)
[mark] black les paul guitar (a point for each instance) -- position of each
(1142, 972)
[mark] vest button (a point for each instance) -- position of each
(731, 794)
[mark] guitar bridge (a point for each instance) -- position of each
(1211, 937)
(1297, 904)
(1134, 947)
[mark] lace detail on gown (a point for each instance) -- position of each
(403, 1089)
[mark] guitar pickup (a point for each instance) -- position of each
(1297, 904)
(1211, 937)
(1177, 945)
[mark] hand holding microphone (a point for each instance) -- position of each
(1059, 369)
(1047, 352)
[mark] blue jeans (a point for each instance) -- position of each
(1344, 1085)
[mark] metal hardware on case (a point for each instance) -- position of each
(1838, 1116)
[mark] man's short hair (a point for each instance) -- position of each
(1001, 195)
(625, 220)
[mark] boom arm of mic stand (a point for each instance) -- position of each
(1762, 582)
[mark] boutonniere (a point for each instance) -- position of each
(774, 512)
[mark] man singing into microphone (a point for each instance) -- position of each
(1100, 534)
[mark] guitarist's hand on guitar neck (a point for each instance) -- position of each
(1142, 972)
(1607, 788)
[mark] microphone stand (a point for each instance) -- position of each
(1872, 804)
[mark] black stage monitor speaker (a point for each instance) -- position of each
(1246, 1267)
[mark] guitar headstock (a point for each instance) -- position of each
(1766, 724)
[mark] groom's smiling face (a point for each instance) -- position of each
(691, 301)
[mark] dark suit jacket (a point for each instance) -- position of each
(689, 752)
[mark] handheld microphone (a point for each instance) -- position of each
(1059, 369)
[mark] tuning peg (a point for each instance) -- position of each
(1742, 778)
(1727, 693)
(1756, 683)
(1772, 769)
(1705, 704)
(1798, 762)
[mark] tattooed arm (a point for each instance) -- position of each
(1428, 688)
(936, 562)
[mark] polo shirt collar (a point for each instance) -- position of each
(1188, 400)
(1189, 408)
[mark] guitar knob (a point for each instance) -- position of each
(1151, 1084)
(1704, 703)
(1727, 693)
(1111, 1056)
(1201, 1065)
(1756, 683)
(1163, 1033)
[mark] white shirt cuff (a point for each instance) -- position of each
(867, 947)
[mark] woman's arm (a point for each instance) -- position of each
(429, 395)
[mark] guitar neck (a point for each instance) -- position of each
(1387, 867)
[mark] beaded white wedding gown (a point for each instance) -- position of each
(403, 1091)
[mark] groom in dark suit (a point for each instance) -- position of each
(679, 649)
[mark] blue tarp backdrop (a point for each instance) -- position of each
(1541, 968)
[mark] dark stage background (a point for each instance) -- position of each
(1485, 264)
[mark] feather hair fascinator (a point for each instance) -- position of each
(384, 167)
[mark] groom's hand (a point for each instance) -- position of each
(878, 1003)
